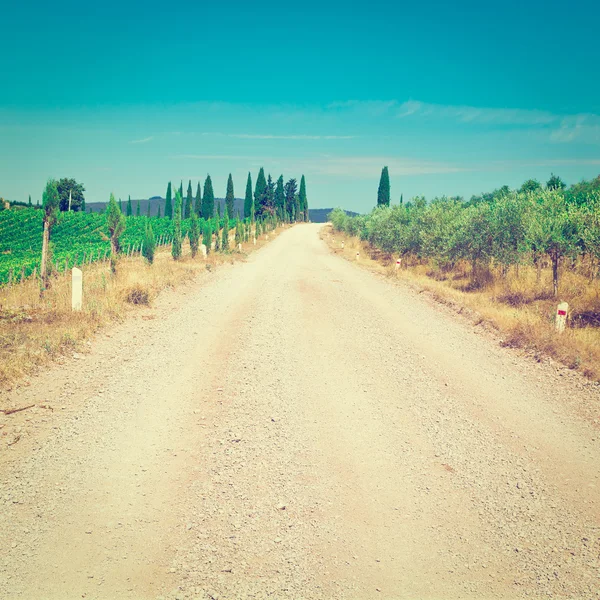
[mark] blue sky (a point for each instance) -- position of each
(454, 98)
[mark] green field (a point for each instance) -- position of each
(76, 237)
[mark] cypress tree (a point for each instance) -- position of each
(120, 205)
(189, 201)
(279, 199)
(217, 229)
(169, 203)
(303, 200)
(401, 199)
(176, 245)
(248, 214)
(181, 194)
(207, 236)
(129, 209)
(158, 213)
(229, 196)
(82, 204)
(383, 193)
(149, 243)
(194, 234)
(137, 209)
(290, 189)
(30, 205)
(225, 240)
(148, 212)
(198, 205)
(208, 199)
(260, 191)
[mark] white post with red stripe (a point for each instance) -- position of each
(561, 316)
(398, 263)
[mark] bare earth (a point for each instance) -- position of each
(298, 427)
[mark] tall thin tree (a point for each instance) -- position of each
(229, 196)
(383, 193)
(248, 199)
(189, 201)
(169, 202)
(208, 199)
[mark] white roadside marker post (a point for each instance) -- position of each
(357, 256)
(561, 316)
(398, 263)
(76, 289)
(342, 244)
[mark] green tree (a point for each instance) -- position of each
(198, 204)
(189, 201)
(555, 183)
(589, 227)
(260, 191)
(383, 193)
(530, 186)
(115, 220)
(551, 230)
(181, 194)
(129, 208)
(148, 212)
(149, 243)
(279, 199)
(290, 190)
(137, 209)
(158, 212)
(225, 239)
(66, 186)
(229, 196)
(169, 203)
(176, 244)
(248, 199)
(303, 199)
(208, 200)
(50, 206)
(207, 236)
(29, 203)
(194, 234)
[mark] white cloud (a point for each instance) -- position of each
(143, 140)
(478, 115)
(249, 136)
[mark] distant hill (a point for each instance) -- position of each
(319, 215)
(155, 202)
(316, 215)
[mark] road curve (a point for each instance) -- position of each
(297, 427)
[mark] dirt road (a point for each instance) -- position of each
(297, 427)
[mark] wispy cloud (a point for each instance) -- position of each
(252, 136)
(347, 166)
(143, 140)
(478, 115)
(559, 128)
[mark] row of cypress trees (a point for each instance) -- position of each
(286, 202)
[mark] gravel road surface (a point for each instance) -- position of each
(297, 427)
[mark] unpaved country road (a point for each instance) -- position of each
(297, 427)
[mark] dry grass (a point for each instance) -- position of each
(519, 307)
(35, 331)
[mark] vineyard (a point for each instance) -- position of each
(77, 238)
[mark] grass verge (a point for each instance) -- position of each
(36, 331)
(519, 306)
